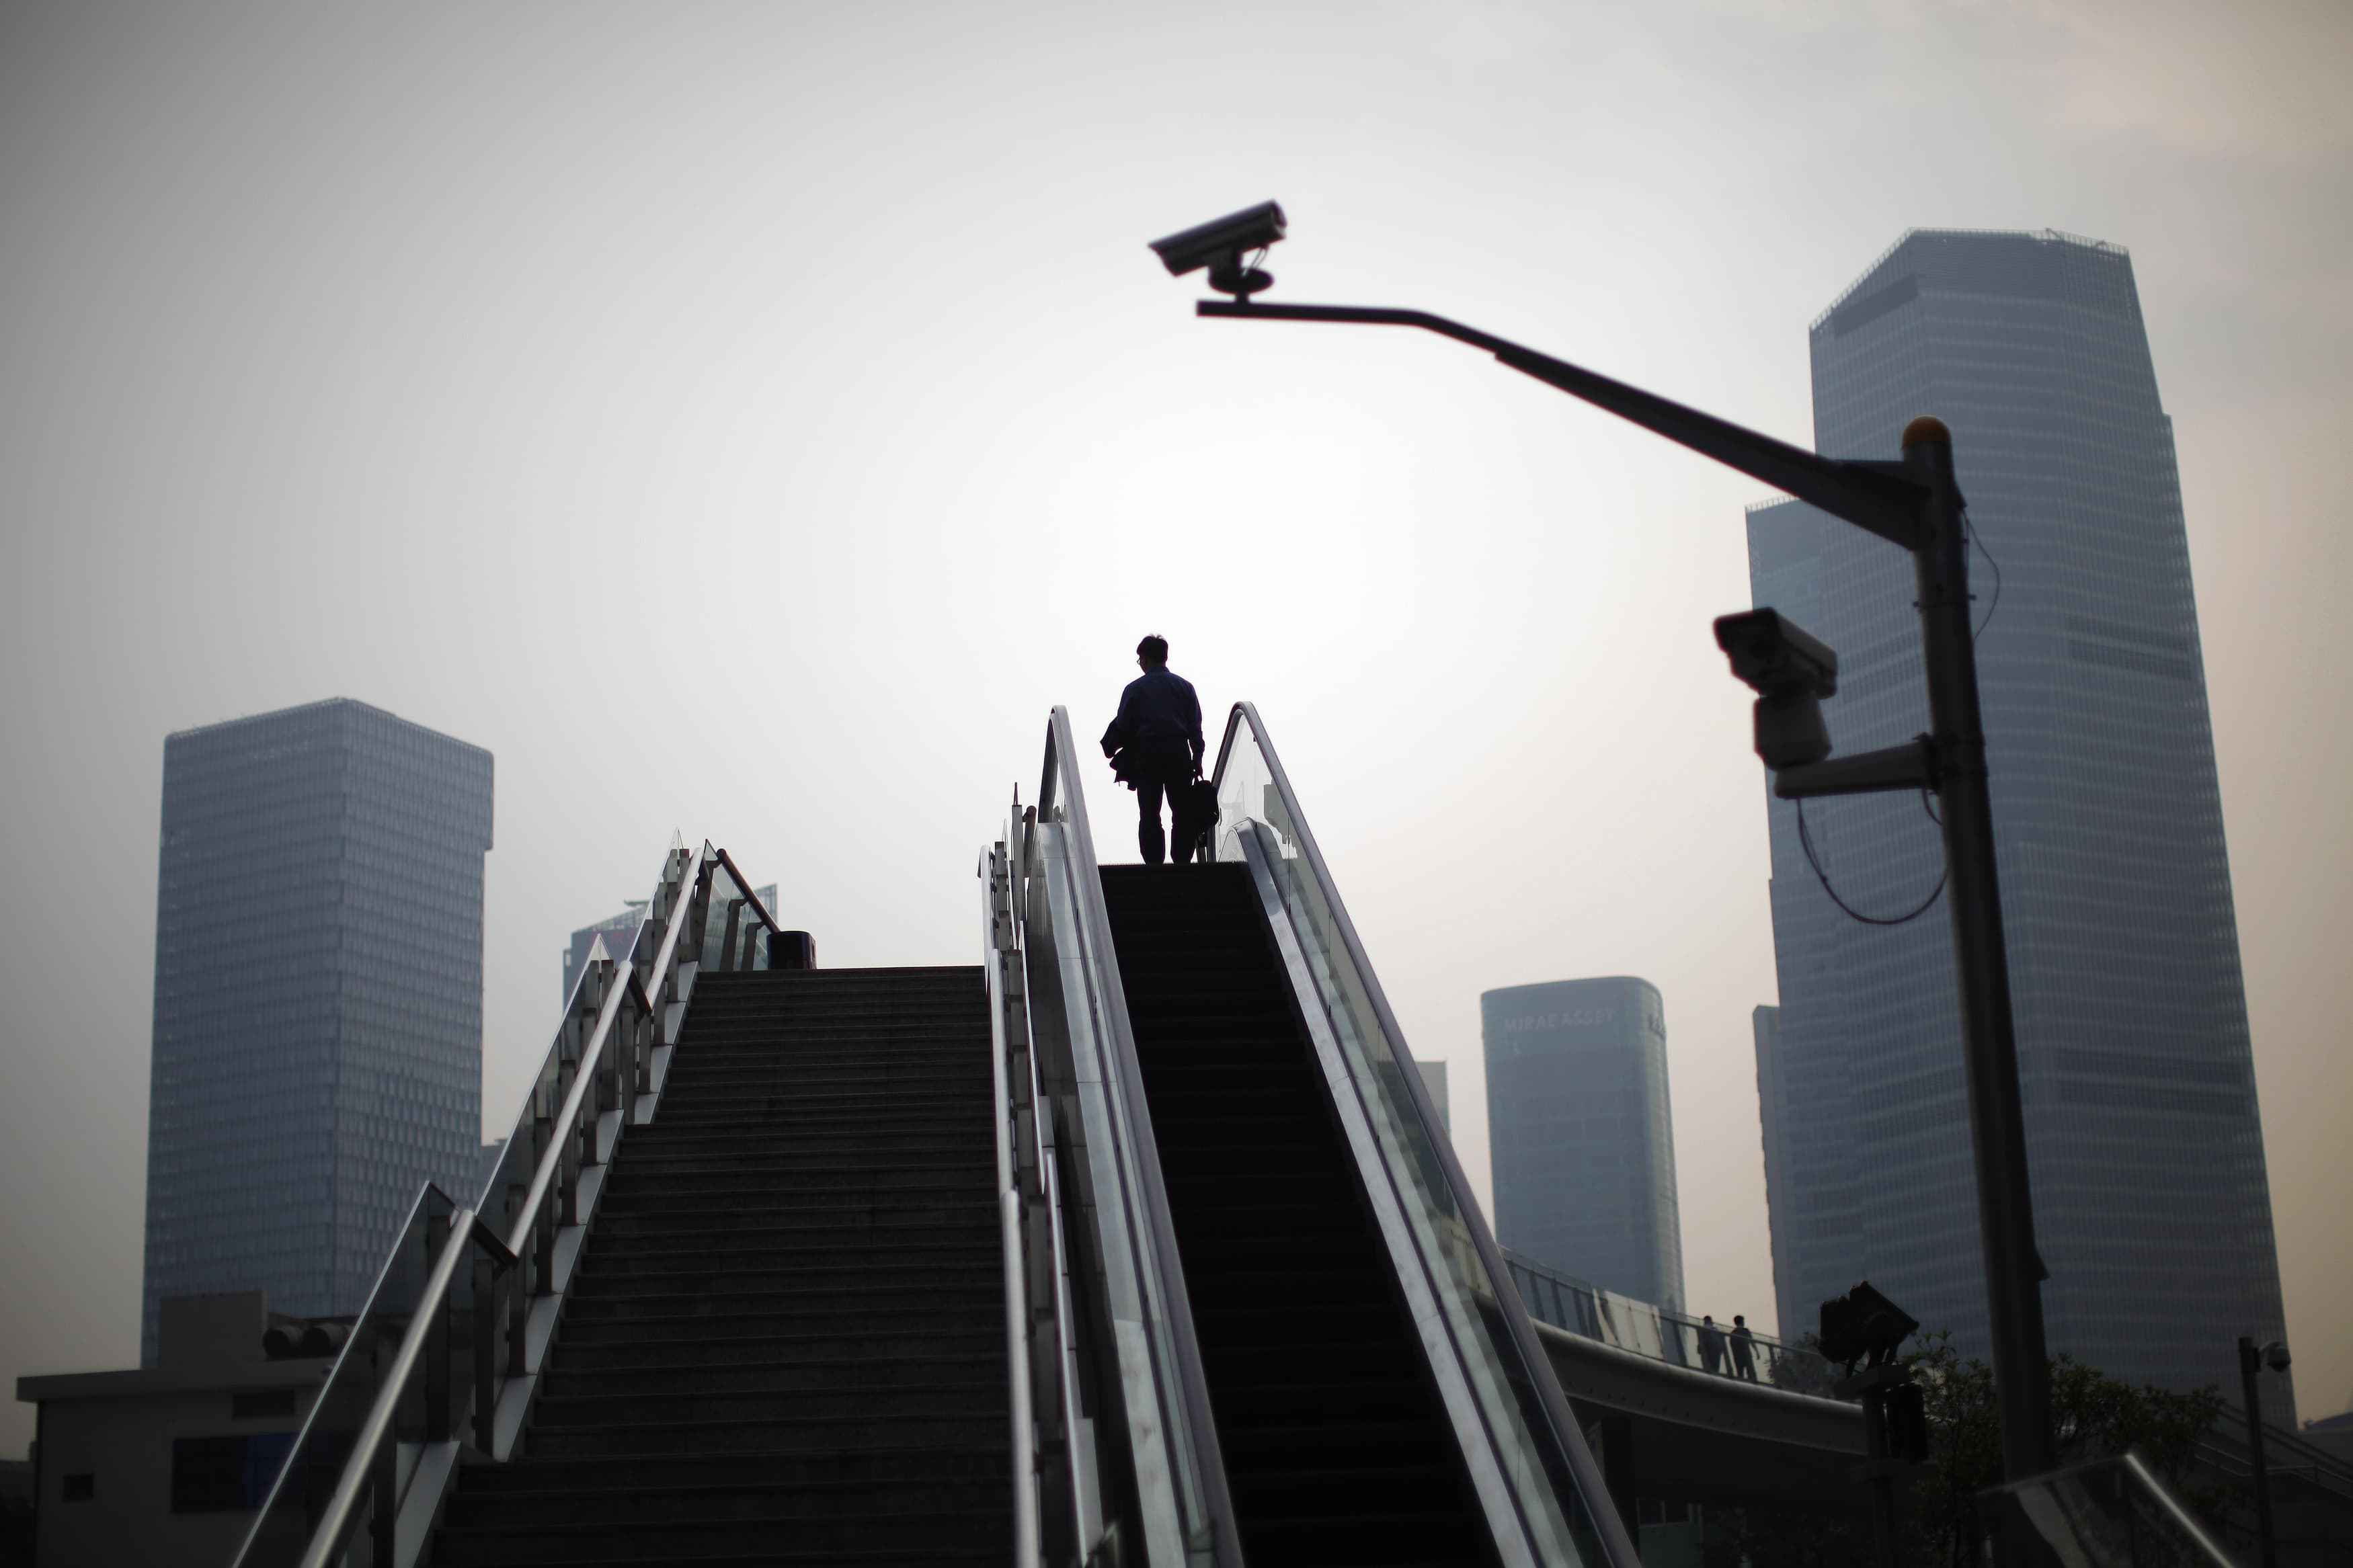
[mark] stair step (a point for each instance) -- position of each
(792, 1377)
(589, 1322)
(630, 1186)
(737, 1276)
(626, 1500)
(785, 1342)
(746, 1467)
(692, 1354)
(553, 1412)
(946, 1216)
(884, 1535)
(818, 1434)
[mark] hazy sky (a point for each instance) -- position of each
(751, 418)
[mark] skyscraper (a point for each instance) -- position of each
(1581, 1132)
(318, 1034)
(2152, 1209)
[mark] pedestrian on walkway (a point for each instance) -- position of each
(1710, 1344)
(1155, 746)
(1743, 1349)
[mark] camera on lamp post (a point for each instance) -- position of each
(1792, 671)
(1221, 245)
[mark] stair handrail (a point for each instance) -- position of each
(1177, 1416)
(620, 1018)
(362, 1470)
(999, 951)
(1553, 1417)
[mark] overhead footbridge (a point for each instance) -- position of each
(1136, 1242)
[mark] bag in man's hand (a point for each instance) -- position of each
(1202, 814)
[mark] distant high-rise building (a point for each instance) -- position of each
(2152, 1210)
(1582, 1138)
(617, 930)
(317, 1025)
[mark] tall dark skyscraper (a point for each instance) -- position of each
(318, 1037)
(2152, 1209)
(1580, 1134)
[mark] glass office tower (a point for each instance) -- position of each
(318, 1033)
(1581, 1138)
(2151, 1205)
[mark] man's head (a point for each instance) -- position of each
(1152, 653)
(1738, 1321)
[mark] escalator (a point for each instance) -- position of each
(1272, 1325)
(1336, 1449)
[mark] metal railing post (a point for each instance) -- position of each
(518, 1293)
(486, 1348)
(383, 1489)
(568, 1171)
(438, 1427)
(542, 1230)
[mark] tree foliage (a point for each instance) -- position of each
(2092, 1416)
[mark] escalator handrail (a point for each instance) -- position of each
(1207, 1457)
(1617, 1545)
(1009, 1219)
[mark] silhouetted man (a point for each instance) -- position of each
(1710, 1344)
(1743, 1349)
(1155, 746)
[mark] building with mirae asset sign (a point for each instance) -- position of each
(1581, 1132)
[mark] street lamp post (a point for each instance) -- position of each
(2252, 1361)
(1915, 504)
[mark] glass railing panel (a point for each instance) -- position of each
(1255, 801)
(727, 919)
(282, 1531)
(1542, 1488)
(2112, 1513)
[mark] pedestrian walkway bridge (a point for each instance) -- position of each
(1133, 1243)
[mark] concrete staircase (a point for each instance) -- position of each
(1336, 1450)
(787, 1342)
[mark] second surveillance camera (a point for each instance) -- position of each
(1791, 672)
(1220, 244)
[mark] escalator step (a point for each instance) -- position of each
(1337, 1451)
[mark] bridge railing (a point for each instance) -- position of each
(1568, 1302)
(448, 1351)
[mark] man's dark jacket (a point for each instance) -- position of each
(1158, 731)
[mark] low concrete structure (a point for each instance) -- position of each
(166, 1466)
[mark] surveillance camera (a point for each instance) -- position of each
(1220, 244)
(1790, 672)
(1773, 656)
(2275, 1356)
